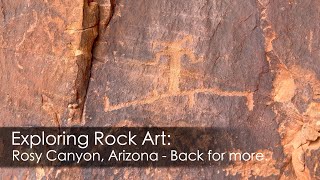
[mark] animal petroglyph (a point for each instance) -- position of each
(175, 51)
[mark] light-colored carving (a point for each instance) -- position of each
(175, 51)
(269, 34)
(155, 97)
(310, 41)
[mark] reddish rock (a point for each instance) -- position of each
(249, 65)
(45, 60)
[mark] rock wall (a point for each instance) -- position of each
(248, 65)
(45, 60)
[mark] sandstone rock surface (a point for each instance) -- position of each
(45, 60)
(249, 65)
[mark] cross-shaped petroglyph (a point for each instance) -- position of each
(175, 51)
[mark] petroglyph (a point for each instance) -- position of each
(175, 51)
(29, 30)
(269, 34)
(155, 97)
(310, 41)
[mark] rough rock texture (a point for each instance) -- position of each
(167, 63)
(45, 56)
(251, 65)
(291, 39)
